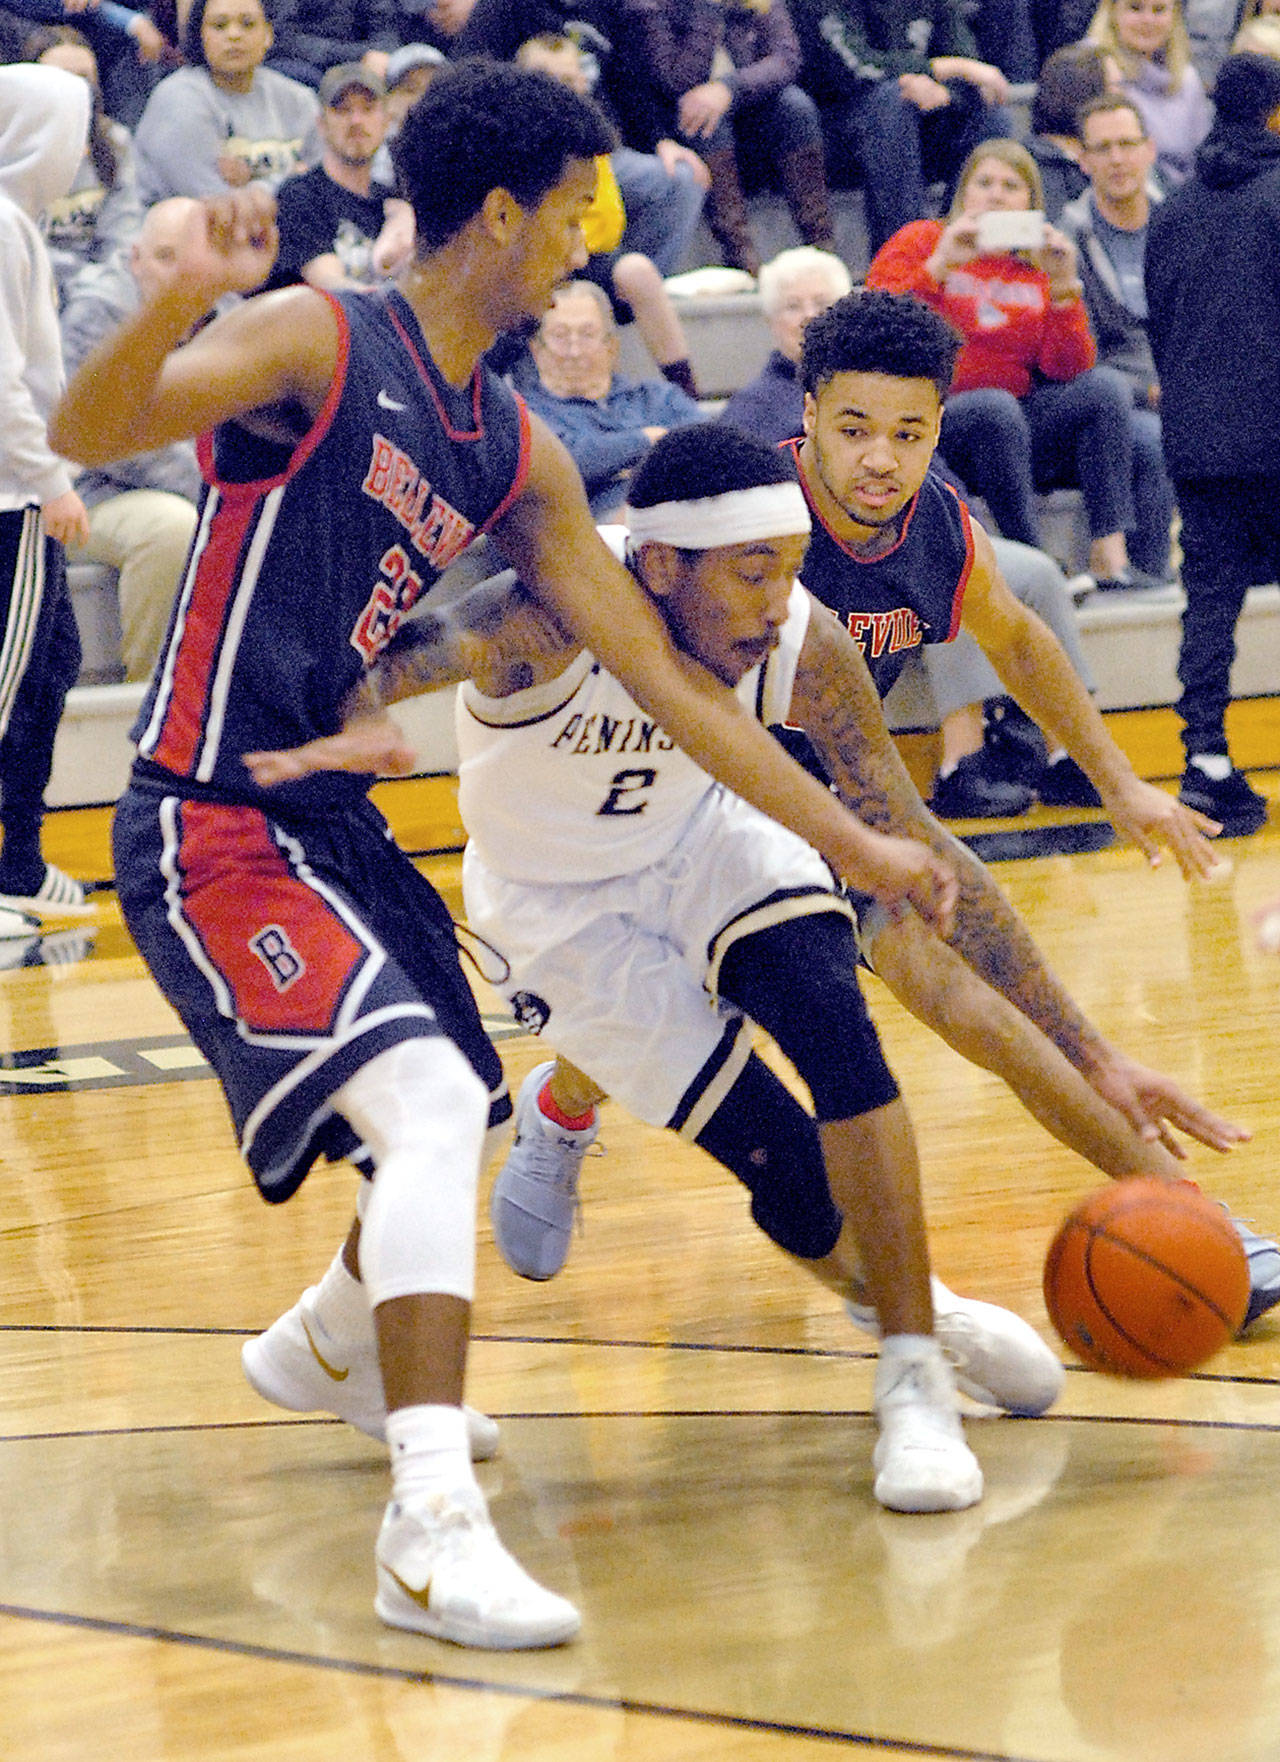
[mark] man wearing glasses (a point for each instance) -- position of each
(1108, 226)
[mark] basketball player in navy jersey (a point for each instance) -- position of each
(353, 445)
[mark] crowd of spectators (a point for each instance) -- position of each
(952, 118)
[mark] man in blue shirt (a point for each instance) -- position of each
(607, 420)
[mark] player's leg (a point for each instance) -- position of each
(326, 1044)
(798, 982)
(534, 1198)
(421, 1113)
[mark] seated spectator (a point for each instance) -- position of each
(1148, 40)
(903, 91)
(722, 77)
(142, 511)
(338, 225)
(410, 70)
(1004, 36)
(101, 214)
(794, 287)
(632, 281)
(311, 36)
(128, 45)
(607, 421)
(224, 120)
(663, 183)
(1108, 226)
(1029, 411)
(1068, 79)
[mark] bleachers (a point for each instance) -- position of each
(1131, 642)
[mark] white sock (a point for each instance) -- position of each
(895, 1346)
(1216, 766)
(341, 1305)
(430, 1452)
(1056, 756)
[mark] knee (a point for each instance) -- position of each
(797, 117)
(1105, 392)
(635, 277)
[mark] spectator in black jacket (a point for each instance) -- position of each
(1213, 315)
(903, 92)
(312, 36)
(721, 75)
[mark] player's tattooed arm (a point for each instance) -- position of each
(496, 634)
(835, 702)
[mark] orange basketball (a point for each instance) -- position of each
(1146, 1279)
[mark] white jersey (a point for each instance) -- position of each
(573, 781)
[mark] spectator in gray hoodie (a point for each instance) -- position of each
(44, 120)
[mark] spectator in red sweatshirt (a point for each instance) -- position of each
(1029, 411)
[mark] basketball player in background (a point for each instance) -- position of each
(354, 444)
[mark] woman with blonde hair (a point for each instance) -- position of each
(1028, 410)
(1149, 41)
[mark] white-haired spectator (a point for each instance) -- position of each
(794, 287)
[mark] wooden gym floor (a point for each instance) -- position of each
(186, 1575)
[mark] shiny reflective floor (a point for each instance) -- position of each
(186, 1574)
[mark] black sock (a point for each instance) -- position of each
(681, 373)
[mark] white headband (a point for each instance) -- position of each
(770, 510)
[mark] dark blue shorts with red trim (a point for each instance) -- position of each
(294, 953)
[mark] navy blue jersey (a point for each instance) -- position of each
(307, 559)
(911, 595)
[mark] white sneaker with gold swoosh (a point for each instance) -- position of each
(442, 1571)
(297, 1364)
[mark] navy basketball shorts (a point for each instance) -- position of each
(294, 953)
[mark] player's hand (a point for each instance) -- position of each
(1153, 819)
(227, 246)
(369, 744)
(902, 872)
(1154, 1106)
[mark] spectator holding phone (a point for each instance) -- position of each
(1029, 410)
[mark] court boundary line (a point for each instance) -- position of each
(561, 1697)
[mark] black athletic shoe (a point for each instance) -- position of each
(1063, 784)
(972, 793)
(1239, 808)
(1014, 749)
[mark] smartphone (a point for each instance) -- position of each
(1011, 230)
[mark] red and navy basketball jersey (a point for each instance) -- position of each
(911, 595)
(307, 559)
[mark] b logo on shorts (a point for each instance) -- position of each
(530, 1010)
(278, 955)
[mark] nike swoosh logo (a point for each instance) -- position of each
(387, 402)
(422, 1598)
(337, 1376)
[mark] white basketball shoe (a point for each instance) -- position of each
(998, 1359)
(298, 1365)
(442, 1571)
(921, 1460)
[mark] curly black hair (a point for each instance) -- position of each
(482, 126)
(706, 459)
(870, 331)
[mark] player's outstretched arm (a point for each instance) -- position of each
(143, 386)
(550, 538)
(495, 633)
(835, 701)
(1035, 670)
